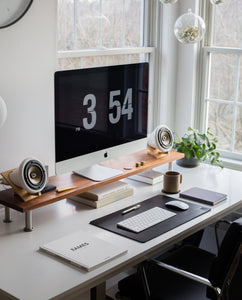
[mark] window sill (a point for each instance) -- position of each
(232, 163)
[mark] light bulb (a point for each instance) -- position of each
(189, 28)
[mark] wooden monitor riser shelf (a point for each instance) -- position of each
(81, 184)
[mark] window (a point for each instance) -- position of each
(93, 33)
(222, 84)
(100, 32)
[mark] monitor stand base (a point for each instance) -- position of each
(98, 173)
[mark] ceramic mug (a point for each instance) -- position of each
(171, 182)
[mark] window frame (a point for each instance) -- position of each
(231, 159)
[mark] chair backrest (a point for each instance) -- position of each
(227, 253)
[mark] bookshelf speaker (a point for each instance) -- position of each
(30, 175)
(161, 138)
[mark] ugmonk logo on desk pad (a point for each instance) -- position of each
(110, 221)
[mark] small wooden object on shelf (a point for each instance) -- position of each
(23, 194)
(156, 152)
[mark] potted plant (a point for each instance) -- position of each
(197, 147)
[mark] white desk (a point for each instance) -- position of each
(28, 274)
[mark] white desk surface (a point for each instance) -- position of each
(27, 274)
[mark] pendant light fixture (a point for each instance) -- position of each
(189, 28)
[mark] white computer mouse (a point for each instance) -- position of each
(177, 204)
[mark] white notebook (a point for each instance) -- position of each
(84, 250)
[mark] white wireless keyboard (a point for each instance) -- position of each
(146, 219)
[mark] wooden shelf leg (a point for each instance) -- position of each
(170, 166)
(7, 218)
(28, 221)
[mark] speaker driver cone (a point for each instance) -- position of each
(34, 175)
(165, 138)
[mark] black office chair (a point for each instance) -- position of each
(190, 272)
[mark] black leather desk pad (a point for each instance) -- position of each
(109, 222)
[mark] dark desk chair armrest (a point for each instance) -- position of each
(189, 275)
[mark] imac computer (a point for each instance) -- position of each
(100, 113)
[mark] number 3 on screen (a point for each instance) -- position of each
(91, 111)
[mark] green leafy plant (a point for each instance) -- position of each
(201, 146)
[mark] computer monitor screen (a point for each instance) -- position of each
(100, 113)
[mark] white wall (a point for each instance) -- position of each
(27, 65)
(178, 72)
(168, 60)
(186, 76)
